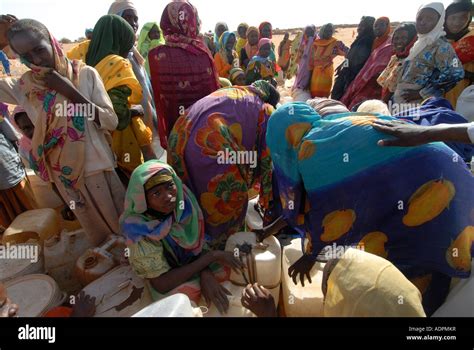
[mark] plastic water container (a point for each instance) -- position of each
(177, 305)
(45, 197)
(301, 301)
(253, 220)
(119, 293)
(34, 294)
(266, 269)
(236, 308)
(40, 224)
(61, 253)
(96, 262)
(14, 268)
(460, 301)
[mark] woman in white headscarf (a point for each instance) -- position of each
(432, 67)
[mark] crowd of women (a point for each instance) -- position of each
(319, 173)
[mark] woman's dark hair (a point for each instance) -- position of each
(28, 25)
(409, 27)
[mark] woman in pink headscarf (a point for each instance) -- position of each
(261, 66)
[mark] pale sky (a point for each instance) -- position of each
(69, 19)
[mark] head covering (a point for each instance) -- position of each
(267, 92)
(119, 6)
(145, 44)
(183, 231)
(112, 36)
(235, 73)
(412, 37)
(325, 106)
(425, 40)
(216, 39)
(374, 106)
(242, 25)
(325, 26)
(89, 31)
(250, 50)
(58, 143)
(262, 25)
(179, 23)
(380, 40)
(365, 285)
(369, 22)
(263, 42)
(465, 105)
(456, 7)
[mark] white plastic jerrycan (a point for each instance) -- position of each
(262, 261)
(301, 301)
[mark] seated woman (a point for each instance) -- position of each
(261, 67)
(218, 149)
(325, 49)
(403, 39)
(182, 71)
(112, 40)
(338, 187)
(458, 21)
(164, 227)
(251, 47)
(226, 58)
(365, 87)
(432, 68)
(359, 284)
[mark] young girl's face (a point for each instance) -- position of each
(265, 50)
(253, 38)
(220, 30)
(34, 49)
(458, 21)
(162, 198)
(400, 40)
(131, 17)
(243, 32)
(230, 43)
(240, 80)
(266, 31)
(154, 33)
(426, 20)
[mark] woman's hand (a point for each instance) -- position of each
(57, 82)
(84, 306)
(6, 22)
(227, 259)
(259, 300)
(137, 111)
(213, 292)
(411, 95)
(407, 135)
(302, 268)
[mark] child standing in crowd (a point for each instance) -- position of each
(68, 148)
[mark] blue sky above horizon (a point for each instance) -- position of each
(70, 18)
